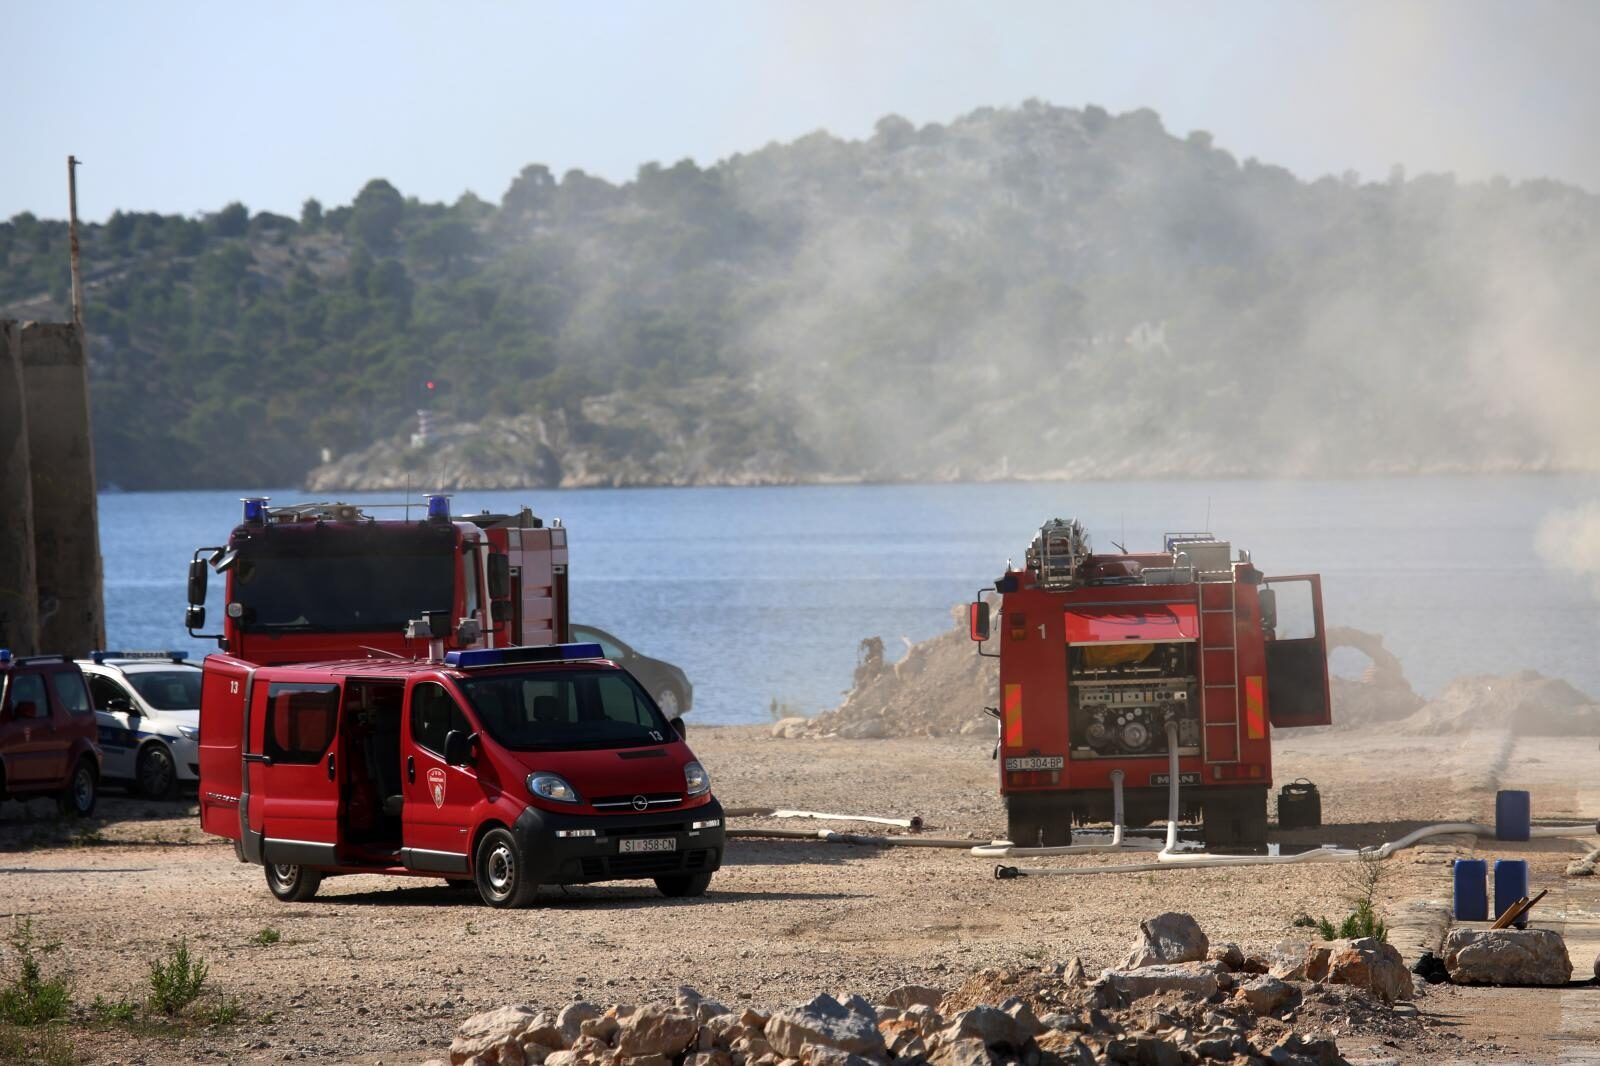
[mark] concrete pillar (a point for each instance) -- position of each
(66, 513)
(19, 615)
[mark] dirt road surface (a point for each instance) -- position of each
(383, 969)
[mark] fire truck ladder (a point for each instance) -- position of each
(1226, 689)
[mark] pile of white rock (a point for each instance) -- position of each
(1175, 1001)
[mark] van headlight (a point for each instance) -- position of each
(695, 779)
(552, 787)
(189, 732)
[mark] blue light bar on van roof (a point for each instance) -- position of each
(102, 656)
(538, 653)
(5, 655)
(255, 509)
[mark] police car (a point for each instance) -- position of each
(148, 708)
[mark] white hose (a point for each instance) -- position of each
(1167, 859)
(914, 822)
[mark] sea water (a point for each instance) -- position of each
(763, 594)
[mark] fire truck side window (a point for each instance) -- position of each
(1297, 618)
(301, 720)
(433, 714)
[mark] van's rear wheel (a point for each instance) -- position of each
(684, 885)
(77, 799)
(502, 871)
(291, 883)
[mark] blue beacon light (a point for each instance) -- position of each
(438, 506)
(255, 509)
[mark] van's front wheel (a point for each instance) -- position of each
(502, 871)
(684, 885)
(291, 883)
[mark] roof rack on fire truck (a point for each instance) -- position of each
(1206, 557)
(1057, 552)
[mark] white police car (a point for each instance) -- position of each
(148, 708)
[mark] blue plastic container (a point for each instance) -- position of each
(1510, 885)
(1471, 890)
(1511, 815)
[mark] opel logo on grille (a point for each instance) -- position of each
(640, 803)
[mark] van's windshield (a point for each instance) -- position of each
(566, 710)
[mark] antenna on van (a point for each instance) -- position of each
(1207, 526)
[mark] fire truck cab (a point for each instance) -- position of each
(328, 581)
(503, 768)
(1108, 660)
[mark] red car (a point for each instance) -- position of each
(48, 733)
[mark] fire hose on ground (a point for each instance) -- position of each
(1169, 858)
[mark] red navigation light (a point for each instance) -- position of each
(430, 386)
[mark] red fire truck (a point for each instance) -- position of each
(1105, 658)
(324, 581)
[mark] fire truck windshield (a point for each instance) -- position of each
(566, 710)
(344, 585)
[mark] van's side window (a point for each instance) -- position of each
(301, 720)
(71, 691)
(433, 714)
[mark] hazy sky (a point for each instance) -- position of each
(182, 107)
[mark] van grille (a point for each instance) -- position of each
(619, 867)
(653, 801)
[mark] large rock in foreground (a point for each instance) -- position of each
(1507, 957)
(1167, 938)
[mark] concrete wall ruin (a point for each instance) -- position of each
(48, 433)
(19, 610)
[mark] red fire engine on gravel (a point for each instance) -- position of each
(322, 581)
(1104, 657)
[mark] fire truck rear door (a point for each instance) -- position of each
(294, 776)
(1297, 653)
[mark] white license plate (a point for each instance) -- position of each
(1035, 762)
(648, 844)
(1166, 779)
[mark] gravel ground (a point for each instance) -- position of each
(383, 969)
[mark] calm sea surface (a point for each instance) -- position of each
(764, 593)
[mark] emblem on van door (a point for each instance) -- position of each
(436, 780)
(640, 803)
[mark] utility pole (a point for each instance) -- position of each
(72, 241)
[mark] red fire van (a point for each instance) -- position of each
(511, 767)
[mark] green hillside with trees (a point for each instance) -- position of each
(1027, 292)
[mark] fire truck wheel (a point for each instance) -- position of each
(156, 773)
(502, 871)
(1032, 823)
(291, 883)
(76, 800)
(1235, 819)
(684, 885)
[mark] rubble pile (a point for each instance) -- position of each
(939, 689)
(1176, 1001)
(1525, 703)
